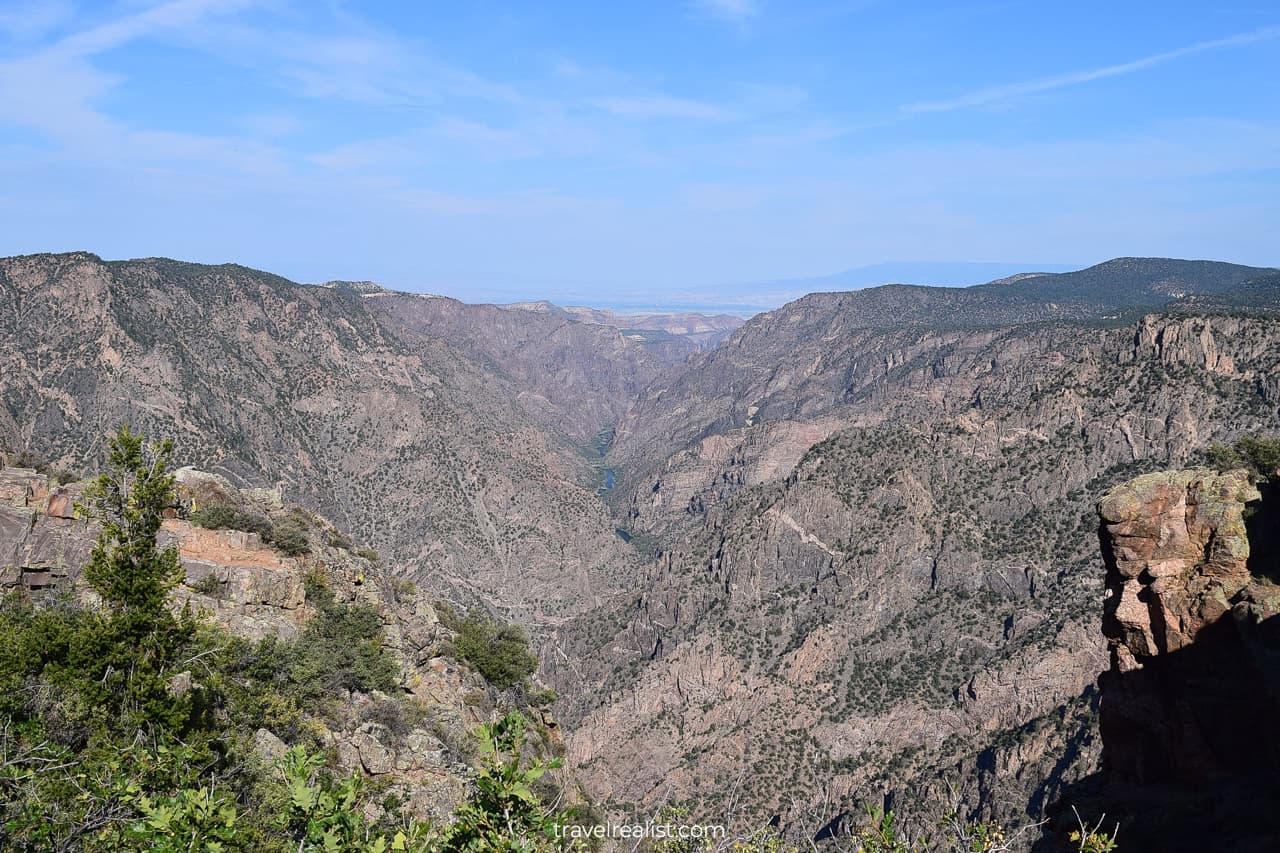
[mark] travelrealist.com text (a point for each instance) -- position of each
(640, 830)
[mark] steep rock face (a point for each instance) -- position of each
(885, 541)
(577, 377)
(42, 544)
(404, 439)
(746, 413)
(1177, 554)
(1191, 753)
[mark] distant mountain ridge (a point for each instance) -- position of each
(935, 273)
(1133, 281)
(703, 330)
(952, 294)
(1114, 290)
(763, 295)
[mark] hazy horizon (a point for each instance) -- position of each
(621, 154)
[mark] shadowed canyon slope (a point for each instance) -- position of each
(857, 552)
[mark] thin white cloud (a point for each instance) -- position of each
(734, 11)
(171, 15)
(33, 18)
(360, 64)
(663, 107)
(996, 94)
(53, 90)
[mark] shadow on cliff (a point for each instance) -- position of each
(1191, 760)
(1262, 523)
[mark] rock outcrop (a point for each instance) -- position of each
(1191, 751)
(1177, 555)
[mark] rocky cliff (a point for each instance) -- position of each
(575, 377)
(1191, 752)
(428, 450)
(877, 562)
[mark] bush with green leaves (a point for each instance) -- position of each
(504, 813)
(290, 536)
(1258, 454)
(224, 517)
(325, 813)
(339, 649)
(497, 650)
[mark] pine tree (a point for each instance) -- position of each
(138, 646)
(127, 568)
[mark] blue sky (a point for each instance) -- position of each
(637, 152)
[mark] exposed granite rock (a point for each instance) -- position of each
(375, 757)
(1191, 752)
(1189, 624)
(1177, 554)
(269, 747)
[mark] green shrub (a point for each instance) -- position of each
(339, 649)
(30, 459)
(315, 586)
(337, 539)
(1258, 454)
(291, 538)
(209, 585)
(1261, 455)
(503, 813)
(497, 650)
(62, 476)
(223, 517)
(1222, 457)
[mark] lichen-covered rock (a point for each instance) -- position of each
(1176, 550)
(269, 747)
(376, 757)
(1191, 752)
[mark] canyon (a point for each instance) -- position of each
(847, 553)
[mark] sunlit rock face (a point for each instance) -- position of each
(1191, 753)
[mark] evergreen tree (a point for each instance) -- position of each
(127, 568)
(138, 645)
